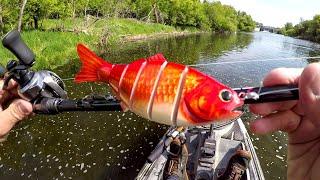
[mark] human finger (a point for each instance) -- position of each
(286, 121)
(310, 92)
(281, 76)
(268, 108)
(11, 85)
(17, 110)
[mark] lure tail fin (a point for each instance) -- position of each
(91, 66)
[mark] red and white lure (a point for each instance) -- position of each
(162, 91)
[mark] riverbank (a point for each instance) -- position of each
(55, 44)
(307, 30)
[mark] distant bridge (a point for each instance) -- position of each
(268, 28)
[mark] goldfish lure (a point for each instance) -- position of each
(162, 91)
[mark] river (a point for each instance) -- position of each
(114, 145)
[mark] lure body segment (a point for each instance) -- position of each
(162, 91)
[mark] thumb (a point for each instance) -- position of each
(310, 92)
(17, 110)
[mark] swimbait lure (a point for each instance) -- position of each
(162, 91)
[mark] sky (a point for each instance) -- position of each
(277, 12)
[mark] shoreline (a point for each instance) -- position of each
(141, 37)
(54, 49)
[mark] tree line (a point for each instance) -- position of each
(308, 29)
(203, 15)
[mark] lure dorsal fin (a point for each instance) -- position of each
(157, 57)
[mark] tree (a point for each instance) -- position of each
(245, 22)
(23, 5)
(222, 18)
(1, 21)
(205, 15)
(288, 26)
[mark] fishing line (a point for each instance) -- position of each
(248, 61)
(67, 79)
(235, 62)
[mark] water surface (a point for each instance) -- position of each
(114, 145)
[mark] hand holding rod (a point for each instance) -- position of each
(33, 86)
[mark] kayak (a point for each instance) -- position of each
(209, 151)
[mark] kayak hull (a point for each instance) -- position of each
(209, 151)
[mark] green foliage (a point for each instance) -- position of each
(288, 26)
(57, 48)
(179, 13)
(9, 14)
(221, 17)
(64, 23)
(245, 22)
(309, 29)
(225, 18)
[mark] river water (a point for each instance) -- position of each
(114, 145)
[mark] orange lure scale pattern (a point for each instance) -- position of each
(161, 91)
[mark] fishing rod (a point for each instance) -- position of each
(250, 95)
(52, 106)
(46, 90)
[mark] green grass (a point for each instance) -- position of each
(54, 48)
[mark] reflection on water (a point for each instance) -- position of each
(114, 145)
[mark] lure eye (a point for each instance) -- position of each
(225, 95)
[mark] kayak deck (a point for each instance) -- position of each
(209, 151)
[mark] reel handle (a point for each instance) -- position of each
(13, 42)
